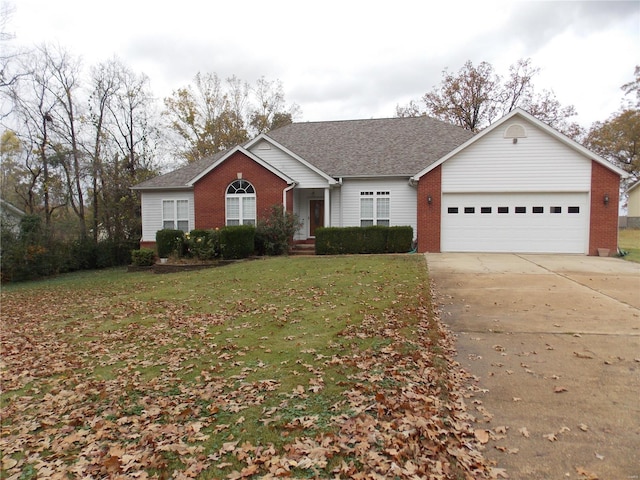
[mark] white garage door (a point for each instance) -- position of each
(515, 222)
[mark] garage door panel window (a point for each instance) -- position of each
(241, 203)
(175, 215)
(520, 209)
(375, 209)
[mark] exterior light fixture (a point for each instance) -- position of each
(429, 200)
(606, 199)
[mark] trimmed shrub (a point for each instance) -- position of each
(204, 244)
(337, 240)
(374, 239)
(400, 239)
(169, 242)
(145, 257)
(237, 241)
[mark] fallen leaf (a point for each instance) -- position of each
(524, 432)
(585, 473)
(583, 427)
(599, 457)
(559, 390)
(498, 472)
(583, 355)
(551, 437)
(481, 435)
(8, 462)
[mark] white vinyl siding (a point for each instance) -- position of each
(401, 205)
(152, 203)
(537, 163)
(303, 175)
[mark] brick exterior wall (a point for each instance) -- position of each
(603, 224)
(429, 220)
(209, 192)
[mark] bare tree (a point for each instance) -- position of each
(211, 115)
(32, 117)
(106, 82)
(477, 96)
(65, 75)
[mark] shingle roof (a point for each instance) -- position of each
(390, 146)
(375, 147)
(180, 177)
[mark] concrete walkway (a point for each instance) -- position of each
(555, 343)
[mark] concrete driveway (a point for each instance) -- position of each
(554, 341)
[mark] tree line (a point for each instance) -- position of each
(72, 144)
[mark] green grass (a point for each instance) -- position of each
(629, 241)
(173, 369)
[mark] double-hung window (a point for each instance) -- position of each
(241, 203)
(175, 214)
(374, 208)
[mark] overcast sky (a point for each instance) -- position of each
(350, 59)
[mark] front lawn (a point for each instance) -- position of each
(629, 241)
(309, 367)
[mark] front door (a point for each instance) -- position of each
(316, 216)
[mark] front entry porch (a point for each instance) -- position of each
(313, 207)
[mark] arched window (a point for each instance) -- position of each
(241, 203)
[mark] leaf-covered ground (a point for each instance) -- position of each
(285, 367)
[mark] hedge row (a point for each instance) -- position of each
(353, 240)
(28, 254)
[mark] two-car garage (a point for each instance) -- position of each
(555, 222)
(519, 186)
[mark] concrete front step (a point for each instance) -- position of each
(303, 249)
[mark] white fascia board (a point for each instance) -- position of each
(167, 188)
(265, 137)
(246, 152)
(543, 126)
(633, 187)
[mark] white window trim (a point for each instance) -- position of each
(175, 220)
(376, 196)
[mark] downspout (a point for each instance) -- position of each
(340, 200)
(284, 195)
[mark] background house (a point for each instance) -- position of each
(517, 186)
(10, 216)
(633, 206)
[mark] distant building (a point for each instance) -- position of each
(633, 207)
(10, 216)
